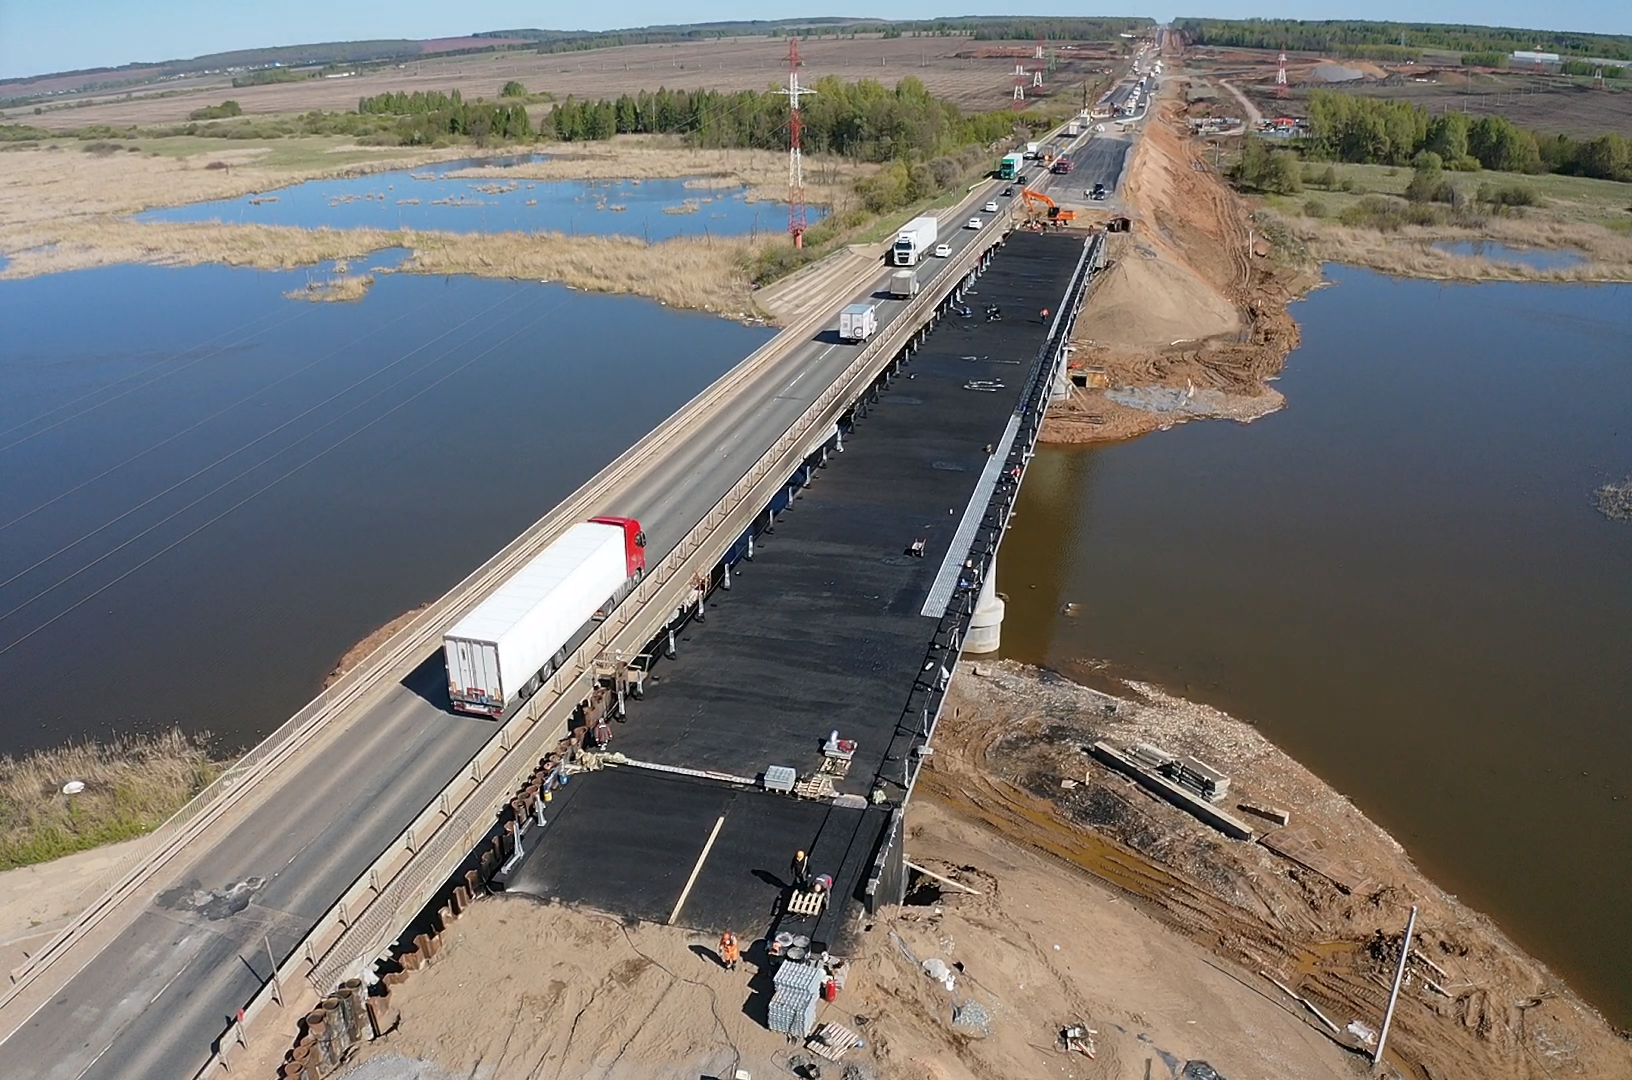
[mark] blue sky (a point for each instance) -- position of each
(38, 36)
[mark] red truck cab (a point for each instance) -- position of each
(634, 543)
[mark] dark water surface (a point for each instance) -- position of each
(208, 492)
(427, 198)
(1401, 579)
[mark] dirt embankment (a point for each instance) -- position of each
(1189, 319)
(1010, 753)
(526, 990)
(359, 652)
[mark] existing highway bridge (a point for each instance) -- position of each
(308, 858)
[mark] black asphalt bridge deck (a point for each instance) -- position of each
(822, 631)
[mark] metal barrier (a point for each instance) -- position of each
(922, 711)
(399, 654)
(372, 912)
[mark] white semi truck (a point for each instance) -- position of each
(503, 650)
(914, 240)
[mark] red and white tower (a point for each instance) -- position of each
(796, 164)
(1040, 62)
(1280, 76)
(1019, 87)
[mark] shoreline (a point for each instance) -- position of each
(66, 209)
(1479, 1005)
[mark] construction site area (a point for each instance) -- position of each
(1189, 320)
(1534, 99)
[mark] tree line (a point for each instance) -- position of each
(863, 119)
(1331, 36)
(1371, 131)
(425, 116)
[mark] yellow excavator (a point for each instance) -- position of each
(1041, 210)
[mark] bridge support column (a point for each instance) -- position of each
(1062, 382)
(986, 624)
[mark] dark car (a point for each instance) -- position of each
(1009, 190)
(1098, 194)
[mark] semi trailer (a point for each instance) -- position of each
(1010, 167)
(914, 240)
(501, 652)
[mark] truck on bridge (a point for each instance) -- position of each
(505, 647)
(1010, 167)
(914, 240)
(858, 322)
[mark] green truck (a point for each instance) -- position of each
(1011, 166)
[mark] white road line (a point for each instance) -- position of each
(695, 870)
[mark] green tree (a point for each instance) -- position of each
(513, 89)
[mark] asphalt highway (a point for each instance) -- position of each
(151, 1003)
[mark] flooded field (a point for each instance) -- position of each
(429, 199)
(1539, 258)
(211, 492)
(1403, 578)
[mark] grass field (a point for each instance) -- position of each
(131, 785)
(1565, 199)
(976, 75)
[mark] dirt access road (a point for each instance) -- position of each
(1189, 320)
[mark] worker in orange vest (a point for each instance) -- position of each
(730, 952)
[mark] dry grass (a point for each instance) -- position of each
(828, 180)
(336, 288)
(131, 785)
(703, 273)
(1409, 252)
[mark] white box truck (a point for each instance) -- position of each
(903, 284)
(914, 240)
(1073, 129)
(858, 322)
(1031, 150)
(503, 650)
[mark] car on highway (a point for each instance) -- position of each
(972, 223)
(943, 251)
(991, 207)
(1008, 190)
(1097, 193)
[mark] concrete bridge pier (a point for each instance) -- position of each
(986, 624)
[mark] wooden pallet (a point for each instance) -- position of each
(806, 903)
(832, 1041)
(819, 786)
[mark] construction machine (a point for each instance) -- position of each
(1041, 210)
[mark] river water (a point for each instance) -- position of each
(1402, 579)
(210, 492)
(429, 198)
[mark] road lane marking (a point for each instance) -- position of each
(695, 870)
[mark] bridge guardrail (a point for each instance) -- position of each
(385, 898)
(407, 646)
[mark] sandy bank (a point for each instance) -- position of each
(1011, 755)
(1189, 319)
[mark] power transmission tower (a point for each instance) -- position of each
(1280, 76)
(796, 163)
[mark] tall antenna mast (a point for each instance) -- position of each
(796, 164)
